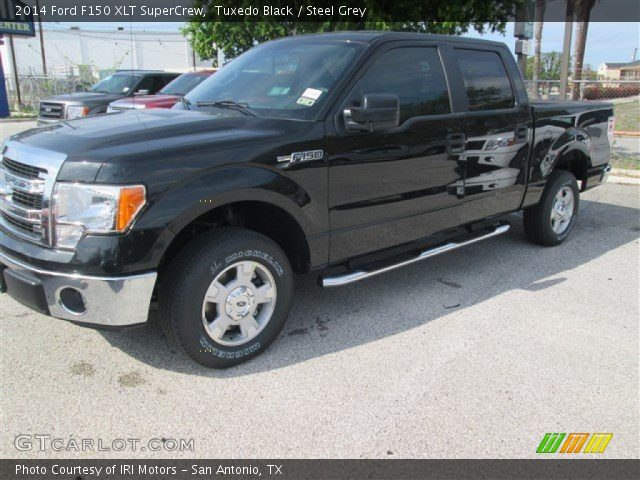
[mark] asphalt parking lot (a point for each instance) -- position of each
(475, 353)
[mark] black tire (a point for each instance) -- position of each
(184, 284)
(537, 220)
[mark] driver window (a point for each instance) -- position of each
(145, 84)
(415, 75)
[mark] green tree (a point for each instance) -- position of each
(232, 37)
(550, 64)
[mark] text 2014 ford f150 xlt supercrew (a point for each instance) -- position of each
(349, 154)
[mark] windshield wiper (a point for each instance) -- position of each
(229, 104)
(99, 91)
(186, 103)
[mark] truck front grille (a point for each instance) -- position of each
(22, 169)
(30, 230)
(51, 110)
(22, 198)
(29, 200)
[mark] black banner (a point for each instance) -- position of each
(358, 11)
(318, 469)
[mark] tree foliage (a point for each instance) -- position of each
(550, 66)
(234, 36)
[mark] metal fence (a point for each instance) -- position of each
(584, 89)
(34, 88)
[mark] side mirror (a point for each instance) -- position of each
(377, 112)
(142, 92)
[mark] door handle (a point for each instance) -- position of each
(456, 143)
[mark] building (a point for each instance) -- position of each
(70, 50)
(620, 71)
(77, 57)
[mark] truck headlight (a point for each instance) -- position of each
(79, 209)
(499, 143)
(75, 111)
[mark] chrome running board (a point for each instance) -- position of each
(361, 274)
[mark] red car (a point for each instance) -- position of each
(165, 98)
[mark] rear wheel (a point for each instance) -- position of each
(226, 296)
(550, 222)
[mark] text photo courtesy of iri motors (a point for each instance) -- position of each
(310, 240)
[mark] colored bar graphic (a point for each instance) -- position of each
(550, 443)
(574, 443)
(598, 442)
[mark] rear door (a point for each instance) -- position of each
(393, 187)
(498, 130)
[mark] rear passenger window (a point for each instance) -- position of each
(485, 79)
(415, 75)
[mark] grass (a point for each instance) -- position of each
(627, 116)
(22, 114)
(626, 162)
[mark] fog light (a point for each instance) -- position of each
(72, 301)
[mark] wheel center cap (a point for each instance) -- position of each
(239, 303)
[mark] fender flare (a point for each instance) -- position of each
(184, 203)
(576, 141)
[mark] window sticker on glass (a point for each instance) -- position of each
(278, 91)
(312, 93)
(307, 102)
(309, 97)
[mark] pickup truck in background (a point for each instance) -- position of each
(165, 98)
(122, 84)
(348, 154)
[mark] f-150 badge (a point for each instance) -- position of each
(298, 157)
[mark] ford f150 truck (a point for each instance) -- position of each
(349, 154)
(122, 84)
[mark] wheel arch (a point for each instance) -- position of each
(575, 157)
(267, 217)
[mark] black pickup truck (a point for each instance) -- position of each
(349, 154)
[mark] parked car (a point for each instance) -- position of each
(165, 98)
(122, 84)
(347, 154)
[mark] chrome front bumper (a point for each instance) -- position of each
(99, 301)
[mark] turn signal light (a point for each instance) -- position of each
(131, 200)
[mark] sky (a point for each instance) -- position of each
(606, 42)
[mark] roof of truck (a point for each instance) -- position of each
(369, 36)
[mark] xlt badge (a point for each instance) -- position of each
(297, 157)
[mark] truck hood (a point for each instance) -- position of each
(139, 132)
(85, 98)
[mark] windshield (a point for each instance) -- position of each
(183, 84)
(115, 84)
(280, 79)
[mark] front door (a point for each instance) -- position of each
(394, 187)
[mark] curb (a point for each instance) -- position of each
(9, 120)
(621, 172)
(623, 180)
(624, 133)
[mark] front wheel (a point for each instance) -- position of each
(550, 222)
(226, 296)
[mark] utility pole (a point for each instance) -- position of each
(16, 78)
(523, 31)
(566, 50)
(44, 61)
